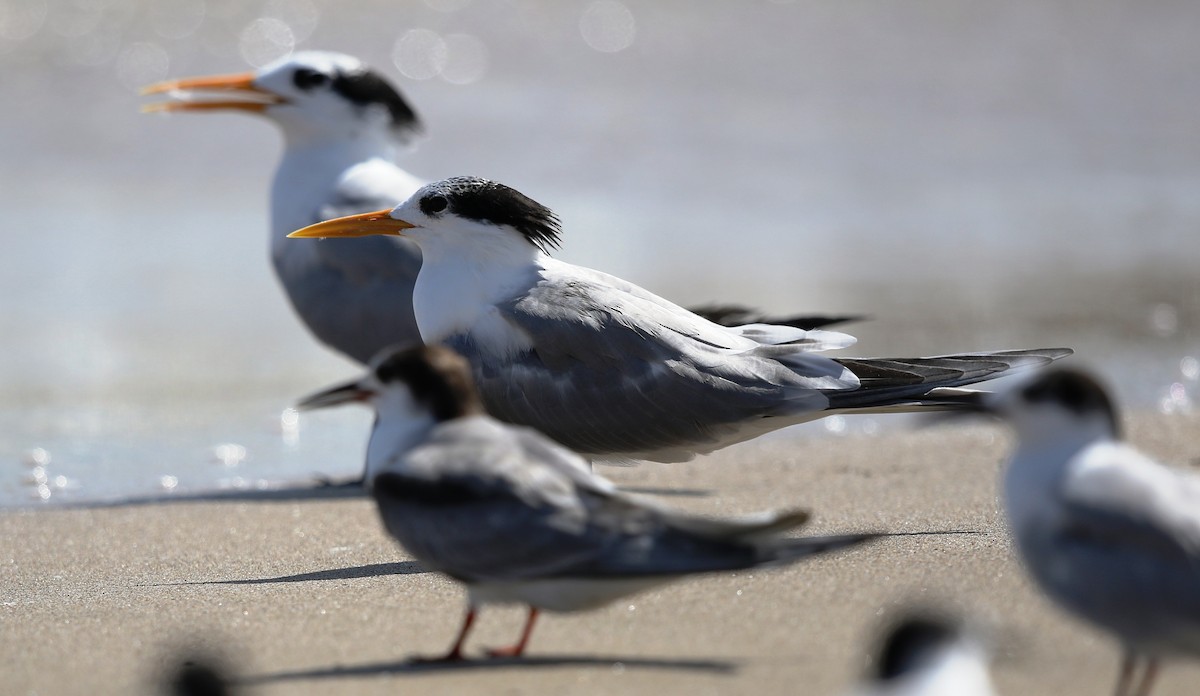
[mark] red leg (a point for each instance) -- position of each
(518, 649)
(455, 654)
(1125, 678)
(1148, 677)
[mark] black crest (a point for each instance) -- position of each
(912, 643)
(1076, 391)
(366, 87)
(487, 201)
(437, 377)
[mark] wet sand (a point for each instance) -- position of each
(310, 596)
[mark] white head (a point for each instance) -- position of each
(932, 656)
(314, 96)
(411, 390)
(1056, 404)
(465, 217)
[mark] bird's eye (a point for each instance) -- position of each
(431, 205)
(307, 78)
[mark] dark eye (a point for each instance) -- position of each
(431, 205)
(307, 78)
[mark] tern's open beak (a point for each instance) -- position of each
(363, 225)
(335, 396)
(251, 98)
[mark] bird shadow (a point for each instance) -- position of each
(365, 571)
(667, 492)
(413, 667)
(319, 490)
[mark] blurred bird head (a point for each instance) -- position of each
(931, 654)
(314, 96)
(1056, 403)
(422, 382)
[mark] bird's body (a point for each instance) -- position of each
(356, 298)
(612, 370)
(1108, 533)
(517, 517)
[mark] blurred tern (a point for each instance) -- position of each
(520, 519)
(927, 655)
(1108, 533)
(613, 371)
(343, 125)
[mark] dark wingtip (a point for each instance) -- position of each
(739, 315)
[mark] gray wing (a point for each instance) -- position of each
(1126, 550)
(357, 296)
(485, 506)
(611, 372)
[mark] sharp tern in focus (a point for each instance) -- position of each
(1108, 533)
(613, 371)
(343, 125)
(520, 519)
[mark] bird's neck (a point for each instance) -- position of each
(457, 293)
(308, 175)
(1036, 471)
(397, 430)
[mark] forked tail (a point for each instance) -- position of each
(917, 384)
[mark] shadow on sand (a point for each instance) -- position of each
(366, 571)
(548, 661)
(308, 490)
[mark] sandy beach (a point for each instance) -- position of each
(310, 596)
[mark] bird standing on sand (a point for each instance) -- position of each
(520, 519)
(343, 125)
(1108, 533)
(613, 371)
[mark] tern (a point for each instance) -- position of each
(1108, 533)
(611, 370)
(343, 126)
(928, 655)
(520, 519)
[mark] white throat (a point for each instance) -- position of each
(308, 175)
(400, 425)
(462, 279)
(1049, 442)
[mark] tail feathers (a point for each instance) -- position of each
(779, 551)
(906, 384)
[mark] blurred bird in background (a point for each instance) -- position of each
(1108, 533)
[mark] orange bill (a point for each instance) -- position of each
(251, 98)
(362, 225)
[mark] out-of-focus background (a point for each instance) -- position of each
(970, 175)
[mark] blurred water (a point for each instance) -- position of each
(969, 174)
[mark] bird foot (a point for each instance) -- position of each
(510, 651)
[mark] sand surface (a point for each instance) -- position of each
(310, 596)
